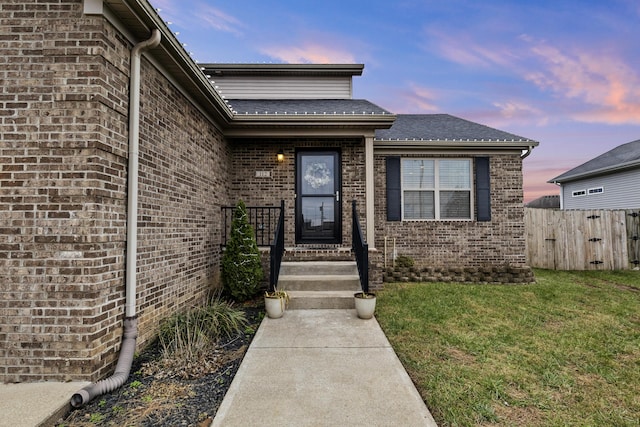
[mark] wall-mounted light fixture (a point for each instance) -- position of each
(280, 156)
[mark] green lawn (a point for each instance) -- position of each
(563, 351)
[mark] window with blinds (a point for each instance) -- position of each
(436, 189)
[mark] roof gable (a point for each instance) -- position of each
(284, 81)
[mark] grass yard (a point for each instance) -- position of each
(563, 351)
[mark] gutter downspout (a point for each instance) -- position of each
(561, 194)
(127, 349)
(526, 154)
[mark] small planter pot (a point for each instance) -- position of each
(275, 303)
(274, 307)
(365, 304)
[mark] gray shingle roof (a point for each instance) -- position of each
(545, 202)
(625, 155)
(442, 127)
(305, 106)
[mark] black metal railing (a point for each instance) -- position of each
(361, 249)
(263, 219)
(277, 250)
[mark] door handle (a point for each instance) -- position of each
(337, 195)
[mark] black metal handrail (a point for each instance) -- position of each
(360, 248)
(263, 219)
(277, 251)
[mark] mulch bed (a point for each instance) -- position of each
(160, 393)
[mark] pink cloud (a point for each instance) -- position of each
(414, 99)
(536, 189)
(167, 9)
(609, 88)
(606, 88)
(200, 15)
(310, 52)
(517, 110)
(218, 20)
(467, 51)
(535, 180)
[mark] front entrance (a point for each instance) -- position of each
(318, 213)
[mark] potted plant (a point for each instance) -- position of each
(365, 304)
(275, 303)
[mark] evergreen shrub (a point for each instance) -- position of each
(241, 266)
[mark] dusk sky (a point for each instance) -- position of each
(564, 73)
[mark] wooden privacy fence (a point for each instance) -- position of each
(583, 240)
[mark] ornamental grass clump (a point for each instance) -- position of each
(188, 335)
(241, 267)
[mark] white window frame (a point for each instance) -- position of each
(436, 189)
(595, 190)
(578, 193)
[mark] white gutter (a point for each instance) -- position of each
(593, 172)
(130, 333)
(526, 153)
(394, 144)
(561, 195)
(132, 204)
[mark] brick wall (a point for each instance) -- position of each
(63, 172)
(442, 250)
(184, 167)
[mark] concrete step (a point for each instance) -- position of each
(320, 284)
(306, 300)
(318, 268)
(327, 282)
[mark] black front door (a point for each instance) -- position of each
(318, 214)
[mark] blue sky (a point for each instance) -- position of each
(563, 72)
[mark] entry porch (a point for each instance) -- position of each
(316, 275)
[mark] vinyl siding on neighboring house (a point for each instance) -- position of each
(620, 191)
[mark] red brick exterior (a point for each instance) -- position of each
(63, 174)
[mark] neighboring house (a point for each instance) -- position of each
(609, 181)
(442, 190)
(545, 202)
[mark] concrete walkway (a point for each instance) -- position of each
(34, 404)
(309, 368)
(321, 368)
